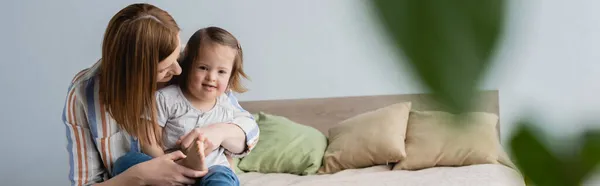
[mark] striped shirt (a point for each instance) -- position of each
(95, 141)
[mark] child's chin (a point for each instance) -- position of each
(210, 95)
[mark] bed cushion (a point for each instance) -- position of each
(285, 146)
(475, 175)
(433, 140)
(372, 138)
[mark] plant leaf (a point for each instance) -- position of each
(590, 153)
(448, 43)
(536, 162)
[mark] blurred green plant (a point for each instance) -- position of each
(449, 45)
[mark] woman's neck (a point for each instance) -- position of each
(160, 85)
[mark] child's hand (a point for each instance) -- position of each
(211, 133)
(208, 147)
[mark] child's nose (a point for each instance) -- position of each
(211, 76)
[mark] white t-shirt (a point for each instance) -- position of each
(178, 117)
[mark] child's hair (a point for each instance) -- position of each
(205, 37)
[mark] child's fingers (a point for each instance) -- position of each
(208, 146)
(188, 139)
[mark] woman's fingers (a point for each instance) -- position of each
(185, 180)
(164, 171)
(176, 155)
(191, 173)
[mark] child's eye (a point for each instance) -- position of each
(203, 68)
(222, 72)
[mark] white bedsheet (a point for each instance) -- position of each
(475, 175)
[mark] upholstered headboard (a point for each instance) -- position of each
(323, 113)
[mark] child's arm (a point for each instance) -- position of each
(240, 142)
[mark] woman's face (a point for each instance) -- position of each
(169, 67)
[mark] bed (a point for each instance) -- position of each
(322, 113)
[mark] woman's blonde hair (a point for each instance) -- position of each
(205, 37)
(137, 38)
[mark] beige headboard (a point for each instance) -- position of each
(323, 113)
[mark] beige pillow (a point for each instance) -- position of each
(372, 138)
(432, 140)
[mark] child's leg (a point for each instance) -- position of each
(128, 160)
(219, 175)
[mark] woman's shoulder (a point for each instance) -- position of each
(85, 81)
(86, 74)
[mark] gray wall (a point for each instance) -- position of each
(293, 49)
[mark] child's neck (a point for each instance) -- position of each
(201, 104)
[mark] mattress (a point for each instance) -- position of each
(475, 175)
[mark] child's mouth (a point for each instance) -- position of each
(208, 86)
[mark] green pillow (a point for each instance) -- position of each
(236, 169)
(285, 147)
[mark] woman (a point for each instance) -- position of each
(110, 108)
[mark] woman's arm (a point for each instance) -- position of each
(85, 165)
(163, 110)
(153, 149)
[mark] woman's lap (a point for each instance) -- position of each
(217, 175)
(129, 160)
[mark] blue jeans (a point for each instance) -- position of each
(217, 175)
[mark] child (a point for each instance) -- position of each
(211, 69)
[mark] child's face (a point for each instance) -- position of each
(210, 74)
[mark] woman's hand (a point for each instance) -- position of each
(164, 171)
